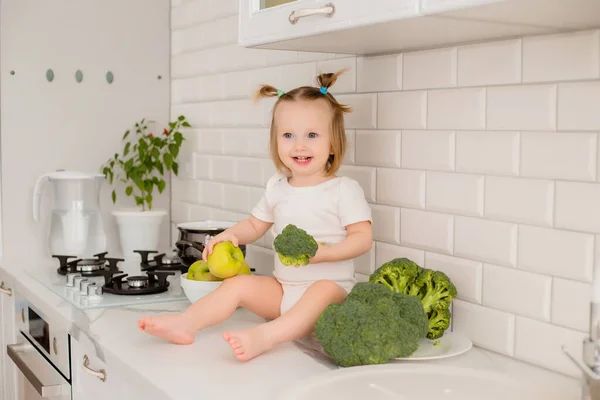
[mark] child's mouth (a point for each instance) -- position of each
(302, 160)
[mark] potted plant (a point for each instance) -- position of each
(141, 167)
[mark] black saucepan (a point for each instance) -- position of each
(193, 236)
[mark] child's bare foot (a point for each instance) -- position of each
(248, 343)
(171, 327)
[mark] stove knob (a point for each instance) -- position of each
(94, 291)
(83, 288)
(71, 277)
(77, 282)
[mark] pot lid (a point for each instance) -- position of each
(206, 225)
(65, 174)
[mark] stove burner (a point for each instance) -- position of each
(88, 267)
(160, 262)
(137, 281)
(154, 282)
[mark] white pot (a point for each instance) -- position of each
(138, 230)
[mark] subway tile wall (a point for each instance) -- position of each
(478, 160)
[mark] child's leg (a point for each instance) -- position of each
(258, 294)
(298, 322)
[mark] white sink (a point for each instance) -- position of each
(413, 382)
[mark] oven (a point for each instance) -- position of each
(41, 355)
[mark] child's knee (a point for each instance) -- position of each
(332, 288)
(238, 281)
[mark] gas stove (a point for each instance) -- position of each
(102, 282)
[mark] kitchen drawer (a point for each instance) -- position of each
(87, 383)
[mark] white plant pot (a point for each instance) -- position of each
(138, 230)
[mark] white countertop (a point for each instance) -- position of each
(207, 368)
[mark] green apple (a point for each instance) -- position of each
(245, 270)
(225, 260)
(200, 272)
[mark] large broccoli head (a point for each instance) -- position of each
(372, 326)
(409, 308)
(294, 246)
(433, 288)
(397, 274)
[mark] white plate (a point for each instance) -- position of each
(451, 344)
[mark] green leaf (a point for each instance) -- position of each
(128, 165)
(161, 185)
(112, 164)
(175, 168)
(149, 199)
(143, 119)
(181, 118)
(159, 167)
(156, 153)
(137, 180)
(114, 196)
(129, 190)
(168, 159)
(172, 125)
(126, 134)
(178, 138)
(174, 149)
(139, 200)
(126, 150)
(148, 185)
(186, 124)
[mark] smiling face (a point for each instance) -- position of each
(303, 129)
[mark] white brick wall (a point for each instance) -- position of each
(481, 161)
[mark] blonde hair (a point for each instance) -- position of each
(338, 132)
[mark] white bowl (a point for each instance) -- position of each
(195, 290)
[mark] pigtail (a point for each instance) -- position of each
(325, 81)
(265, 91)
(328, 79)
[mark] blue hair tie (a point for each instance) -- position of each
(323, 90)
(280, 92)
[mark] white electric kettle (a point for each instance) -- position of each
(76, 223)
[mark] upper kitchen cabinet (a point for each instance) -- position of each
(388, 26)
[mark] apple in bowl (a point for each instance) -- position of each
(201, 278)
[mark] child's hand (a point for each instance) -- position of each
(320, 255)
(221, 237)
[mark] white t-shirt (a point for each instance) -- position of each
(323, 211)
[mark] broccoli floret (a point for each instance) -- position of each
(439, 321)
(437, 291)
(294, 246)
(371, 326)
(397, 274)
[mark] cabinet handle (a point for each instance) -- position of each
(5, 290)
(100, 374)
(327, 10)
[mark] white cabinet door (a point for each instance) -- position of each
(436, 6)
(87, 377)
(8, 370)
(261, 21)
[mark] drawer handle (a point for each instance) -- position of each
(327, 10)
(5, 290)
(100, 374)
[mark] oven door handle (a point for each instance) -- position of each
(35, 369)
